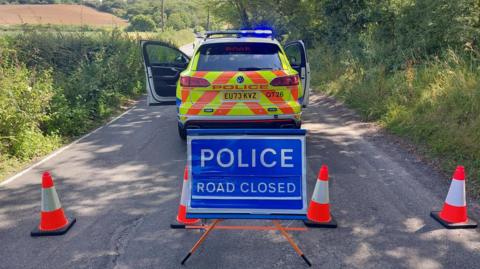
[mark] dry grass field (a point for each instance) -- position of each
(57, 14)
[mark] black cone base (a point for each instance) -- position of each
(177, 225)
(37, 232)
(331, 224)
(469, 224)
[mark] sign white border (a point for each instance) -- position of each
(303, 210)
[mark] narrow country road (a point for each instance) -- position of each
(189, 48)
(123, 184)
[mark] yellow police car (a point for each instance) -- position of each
(235, 79)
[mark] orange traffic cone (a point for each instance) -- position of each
(318, 214)
(52, 218)
(454, 212)
(182, 209)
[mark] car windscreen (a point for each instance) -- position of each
(239, 57)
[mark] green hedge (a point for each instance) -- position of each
(435, 103)
(54, 86)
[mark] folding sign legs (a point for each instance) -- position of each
(278, 226)
(200, 241)
(290, 240)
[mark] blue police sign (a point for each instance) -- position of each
(247, 174)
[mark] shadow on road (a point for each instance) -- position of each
(123, 184)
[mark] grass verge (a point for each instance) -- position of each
(9, 166)
(57, 86)
(435, 104)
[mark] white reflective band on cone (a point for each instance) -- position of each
(50, 201)
(456, 193)
(320, 194)
(184, 198)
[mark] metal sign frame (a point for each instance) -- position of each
(250, 213)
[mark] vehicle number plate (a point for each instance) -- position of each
(240, 96)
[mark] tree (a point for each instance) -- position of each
(162, 14)
(288, 18)
(141, 23)
(179, 21)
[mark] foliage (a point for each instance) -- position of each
(413, 65)
(436, 104)
(23, 101)
(289, 18)
(57, 85)
(176, 38)
(9, 29)
(179, 21)
(54, 86)
(141, 23)
(111, 6)
(177, 14)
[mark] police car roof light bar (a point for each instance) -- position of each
(241, 33)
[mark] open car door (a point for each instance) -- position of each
(297, 55)
(163, 65)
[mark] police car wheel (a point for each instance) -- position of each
(182, 132)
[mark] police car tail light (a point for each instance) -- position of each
(186, 81)
(285, 81)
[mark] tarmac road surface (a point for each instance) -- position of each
(189, 48)
(123, 184)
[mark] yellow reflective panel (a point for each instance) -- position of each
(240, 109)
(212, 76)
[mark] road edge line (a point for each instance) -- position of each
(60, 150)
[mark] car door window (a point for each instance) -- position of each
(162, 56)
(294, 55)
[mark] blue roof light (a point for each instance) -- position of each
(264, 32)
(243, 33)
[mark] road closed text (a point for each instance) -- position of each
(250, 188)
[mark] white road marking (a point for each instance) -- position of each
(60, 150)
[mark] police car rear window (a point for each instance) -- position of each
(239, 57)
